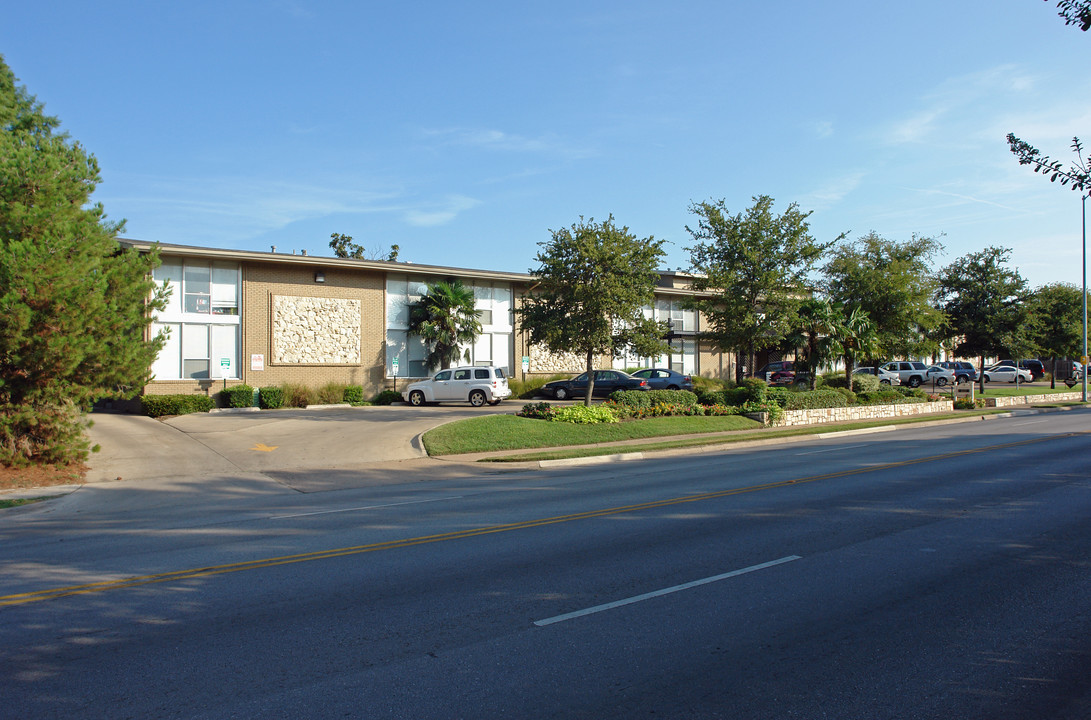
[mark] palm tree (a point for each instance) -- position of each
(816, 336)
(857, 337)
(445, 318)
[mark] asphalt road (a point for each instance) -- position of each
(938, 572)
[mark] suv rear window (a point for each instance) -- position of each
(500, 373)
(481, 374)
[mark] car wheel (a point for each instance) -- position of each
(416, 398)
(477, 398)
(961, 379)
(914, 382)
(941, 381)
(560, 393)
(884, 382)
(673, 387)
(988, 379)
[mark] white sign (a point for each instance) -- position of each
(526, 363)
(394, 365)
(257, 363)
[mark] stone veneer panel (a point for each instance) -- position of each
(544, 362)
(314, 330)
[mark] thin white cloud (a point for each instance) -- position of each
(833, 191)
(500, 141)
(450, 208)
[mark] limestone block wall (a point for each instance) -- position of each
(316, 330)
(543, 362)
(1023, 400)
(863, 412)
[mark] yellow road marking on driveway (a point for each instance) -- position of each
(262, 447)
(40, 595)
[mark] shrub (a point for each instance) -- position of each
(160, 405)
(270, 398)
(778, 396)
(528, 388)
(387, 397)
(353, 394)
(298, 396)
(752, 390)
(331, 394)
(585, 415)
(238, 396)
(42, 434)
(968, 404)
(816, 399)
(538, 411)
(647, 398)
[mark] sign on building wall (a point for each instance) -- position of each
(257, 363)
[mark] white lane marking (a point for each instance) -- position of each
(846, 447)
(664, 591)
(1028, 422)
(365, 507)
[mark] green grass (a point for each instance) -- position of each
(509, 432)
(16, 502)
(1009, 389)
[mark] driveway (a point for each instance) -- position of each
(308, 450)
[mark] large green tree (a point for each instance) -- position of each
(1057, 327)
(74, 306)
(591, 285)
(984, 301)
(893, 283)
(754, 267)
(445, 319)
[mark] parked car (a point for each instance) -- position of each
(1036, 368)
(475, 385)
(964, 371)
(606, 382)
(663, 379)
(769, 368)
(911, 373)
(1007, 373)
(939, 376)
(885, 376)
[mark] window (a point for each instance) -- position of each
(481, 374)
(494, 346)
(201, 320)
(462, 374)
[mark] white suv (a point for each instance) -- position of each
(476, 385)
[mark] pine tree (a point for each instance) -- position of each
(74, 306)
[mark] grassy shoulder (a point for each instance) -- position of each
(509, 432)
(500, 433)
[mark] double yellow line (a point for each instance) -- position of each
(49, 594)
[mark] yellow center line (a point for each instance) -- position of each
(49, 594)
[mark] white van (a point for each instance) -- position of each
(475, 385)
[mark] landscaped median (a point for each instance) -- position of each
(512, 438)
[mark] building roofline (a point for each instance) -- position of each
(386, 266)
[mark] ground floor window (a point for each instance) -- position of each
(198, 351)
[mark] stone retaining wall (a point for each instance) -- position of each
(1024, 400)
(863, 412)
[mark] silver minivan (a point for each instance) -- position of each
(475, 385)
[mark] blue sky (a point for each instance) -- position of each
(464, 131)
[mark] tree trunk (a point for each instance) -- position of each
(981, 376)
(590, 378)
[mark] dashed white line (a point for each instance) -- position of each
(364, 507)
(664, 591)
(833, 449)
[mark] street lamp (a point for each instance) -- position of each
(1083, 370)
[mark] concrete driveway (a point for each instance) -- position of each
(308, 450)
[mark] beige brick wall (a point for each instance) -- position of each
(263, 282)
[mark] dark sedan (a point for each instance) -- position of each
(606, 382)
(663, 379)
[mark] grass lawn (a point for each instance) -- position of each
(508, 432)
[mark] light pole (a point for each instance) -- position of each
(1083, 373)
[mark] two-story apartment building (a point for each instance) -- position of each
(268, 318)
